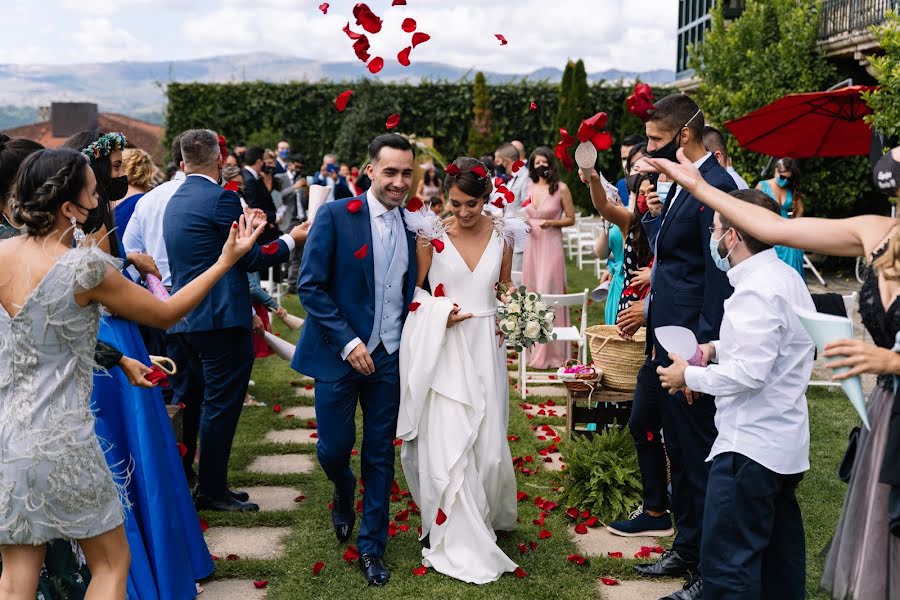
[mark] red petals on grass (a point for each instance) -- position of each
(609, 581)
(403, 56)
(520, 573)
(299, 498)
(376, 65)
(317, 568)
(420, 571)
(392, 121)
(351, 554)
(232, 557)
(441, 518)
(276, 408)
(512, 438)
(261, 584)
(572, 513)
(354, 206)
(502, 39)
(581, 529)
(409, 25)
(614, 554)
(341, 101)
(362, 252)
(419, 38)
(592, 522)
(544, 534)
(521, 496)
(576, 559)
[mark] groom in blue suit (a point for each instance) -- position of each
(356, 283)
(212, 345)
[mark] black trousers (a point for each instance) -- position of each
(690, 432)
(213, 375)
(753, 543)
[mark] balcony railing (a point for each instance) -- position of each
(845, 16)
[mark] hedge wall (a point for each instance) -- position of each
(305, 115)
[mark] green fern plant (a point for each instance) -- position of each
(602, 474)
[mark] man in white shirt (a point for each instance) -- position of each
(715, 143)
(507, 156)
(753, 544)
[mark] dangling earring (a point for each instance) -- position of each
(76, 231)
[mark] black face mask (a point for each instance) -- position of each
(669, 151)
(94, 221)
(499, 170)
(886, 175)
(117, 188)
(542, 171)
(630, 181)
(267, 169)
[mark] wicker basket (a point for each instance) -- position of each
(583, 382)
(618, 359)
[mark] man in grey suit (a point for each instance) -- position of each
(295, 198)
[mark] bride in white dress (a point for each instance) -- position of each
(454, 405)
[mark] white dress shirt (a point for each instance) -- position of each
(738, 180)
(765, 360)
(144, 232)
(377, 210)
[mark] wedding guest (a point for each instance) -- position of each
(295, 198)
(862, 559)
(283, 154)
(543, 263)
(140, 170)
(753, 544)
(628, 144)
(68, 472)
(213, 346)
(507, 157)
(256, 193)
(436, 205)
(785, 189)
(430, 183)
(12, 153)
(521, 148)
(715, 143)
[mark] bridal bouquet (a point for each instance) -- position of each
(525, 319)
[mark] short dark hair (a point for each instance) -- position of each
(633, 140)
(757, 198)
(176, 150)
(640, 148)
(676, 111)
(508, 151)
(253, 154)
(714, 140)
(200, 148)
(468, 182)
(388, 140)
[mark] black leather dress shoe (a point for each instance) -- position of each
(343, 519)
(692, 590)
(223, 504)
(670, 564)
(239, 495)
(374, 569)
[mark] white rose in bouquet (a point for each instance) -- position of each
(513, 308)
(529, 305)
(539, 307)
(549, 317)
(532, 330)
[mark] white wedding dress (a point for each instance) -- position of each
(454, 411)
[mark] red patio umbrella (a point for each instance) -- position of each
(806, 125)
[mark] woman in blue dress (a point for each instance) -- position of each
(168, 552)
(615, 272)
(784, 188)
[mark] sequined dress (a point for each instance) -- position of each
(54, 479)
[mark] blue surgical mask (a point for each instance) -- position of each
(721, 261)
(783, 182)
(283, 153)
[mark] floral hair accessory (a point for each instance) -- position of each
(105, 145)
(453, 170)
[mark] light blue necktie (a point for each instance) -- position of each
(387, 235)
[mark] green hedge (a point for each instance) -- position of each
(305, 115)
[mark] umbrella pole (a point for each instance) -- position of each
(765, 169)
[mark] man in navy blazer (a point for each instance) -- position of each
(356, 282)
(686, 290)
(212, 345)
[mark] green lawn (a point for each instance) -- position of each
(550, 575)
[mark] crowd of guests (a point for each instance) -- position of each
(687, 244)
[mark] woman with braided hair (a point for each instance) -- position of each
(54, 479)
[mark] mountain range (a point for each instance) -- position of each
(137, 89)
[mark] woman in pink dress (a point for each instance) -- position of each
(549, 208)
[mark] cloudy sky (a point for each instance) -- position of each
(624, 34)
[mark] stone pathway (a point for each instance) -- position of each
(293, 436)
(272, 498)
(231, 589)
(246, 542)
(302, 392)
(304, 413)
(598, 541)
(546, 409)
(638, 589)
(280, 464)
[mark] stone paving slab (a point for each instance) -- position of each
(638, 589)
(246, 542)
(271, 498)
(231, 589)
(283, 464)
(559, 410)
(303, 413)
(598, 541)
(556, 462)
(292, 436)
(546, 391)
(302, 392)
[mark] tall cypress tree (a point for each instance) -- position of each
(577, 107)
(565, 98)
(482, 137)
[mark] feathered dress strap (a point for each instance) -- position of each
(512, 230)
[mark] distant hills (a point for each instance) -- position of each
(137, 89)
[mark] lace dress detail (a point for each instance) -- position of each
(881, 323)
(54, 481)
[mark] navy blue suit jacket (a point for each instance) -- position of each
(196, 224)
(688, 289)
(338, 290)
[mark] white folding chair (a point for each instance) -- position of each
(851, 305)
(584, 243)
(563, 334)
(516, 278)
(807, 264)
(569, 235)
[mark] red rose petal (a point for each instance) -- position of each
(602, 141)
(526, 203)
(614, 554)
(566, 139)
(376, 65)
(313, 436)
(532, 107)
(544, 534)
(592, 522)
(354, 206)
(392, 121)
(420, 570)
(502, 39)
(517, 165)
(182, 449)
(351, 554)
(276, 408)
(317, 568)
(260, 584)
(312, 425)
(512, 438)
(438, 245)
(572, 513)
(341, 101)
(214, 557)
(361, 48)
(398, 442)
(352, 34)
(403, 515)
(398, 3)
(563, 155)
(533, 545)
(576, 559)
(479, 170)
(520, 573)
(439, 291)
(452, 170)
(232, 557)
(585, 132)
(300, 498)
(203, 525)
(409, 25)
(403, 56)
(404, 528)
(366, 18)
(362, 252)
(414, 204)
(609, 581)
(419, 38)
(581, 528)
(232, 186)
(270, 249)
(649, 436)
(521, 496)
(413, 306)
(441, 518)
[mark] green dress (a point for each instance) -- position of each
(616, 266)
